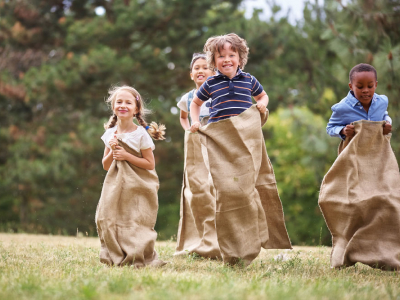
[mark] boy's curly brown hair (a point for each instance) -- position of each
(216, 43)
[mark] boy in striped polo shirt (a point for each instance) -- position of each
(231, 89)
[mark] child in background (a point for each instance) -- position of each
(127, 210)
(361, 103)
(230, 90)
(199, 72)
(196, 231)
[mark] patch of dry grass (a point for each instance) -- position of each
(56, 267)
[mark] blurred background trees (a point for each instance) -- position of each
(58, 59)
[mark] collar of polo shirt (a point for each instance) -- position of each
(219, 74)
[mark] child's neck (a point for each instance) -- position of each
(230, 77)
(125, 126)
(366, 106)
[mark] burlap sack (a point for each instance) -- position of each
(126, 215)
(249, 213)
(196, 233)
(360, 200)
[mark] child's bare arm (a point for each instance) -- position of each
(107, 156)
(107, 159)
(262, 101)
(144, 162)
(184, 120)
(195, 113)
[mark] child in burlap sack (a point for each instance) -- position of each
(360, 194)
(361, 103)
(127, 210)
(196, 231)
(199, 72)
(249, 214)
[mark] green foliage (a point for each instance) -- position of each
(301, 153)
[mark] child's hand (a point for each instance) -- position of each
(261, 107)
(348, 131)
(113, 143)
(195, 127)
(387, 128)
(120, 153)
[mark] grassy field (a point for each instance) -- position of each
(57, 267)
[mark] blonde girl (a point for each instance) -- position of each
(127, 210)
(126, 104)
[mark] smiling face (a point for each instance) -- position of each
(200, 72)
(124, 105)
(363, 85)
(227, 60)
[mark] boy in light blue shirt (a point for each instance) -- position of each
(361, 103)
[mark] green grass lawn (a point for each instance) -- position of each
(58, 267)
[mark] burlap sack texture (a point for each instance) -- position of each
(360, 200)
(249, 213)
(196, 233)
(126, 215)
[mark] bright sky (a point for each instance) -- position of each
(295, 6)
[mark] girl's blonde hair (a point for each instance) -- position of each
(216, 43)
(156, 131)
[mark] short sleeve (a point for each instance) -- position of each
(203, 93)
(256, 88)
(107, 136)
(183, 103)
(146, 142)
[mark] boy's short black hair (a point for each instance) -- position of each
(362, 68)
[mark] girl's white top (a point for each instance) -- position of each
(137, 140)
(204, 109)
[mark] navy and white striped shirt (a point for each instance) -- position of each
(230, 97)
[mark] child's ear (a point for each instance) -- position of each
(191, 75)
(376, 84)
(350, 86)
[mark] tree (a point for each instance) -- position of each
(301, 153)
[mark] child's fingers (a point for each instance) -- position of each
(261, 107)
(195, 127)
